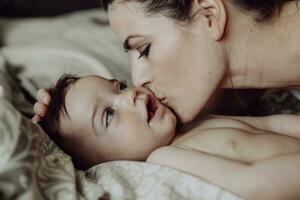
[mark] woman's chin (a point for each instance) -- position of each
(186, 117)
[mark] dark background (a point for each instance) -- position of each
(37, 8)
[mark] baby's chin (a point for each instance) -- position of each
(171, 133)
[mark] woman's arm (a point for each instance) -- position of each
(274, 178)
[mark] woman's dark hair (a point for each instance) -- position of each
(176, 9)
(180, 9)
(263, 9)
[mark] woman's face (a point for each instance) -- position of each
(181, 64)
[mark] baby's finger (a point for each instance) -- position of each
(43, 96)
(40, 109)
(36, 118)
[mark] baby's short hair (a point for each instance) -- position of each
(51, 121)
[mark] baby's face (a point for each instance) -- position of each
(112, 122)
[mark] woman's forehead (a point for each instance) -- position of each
(126, 13)
(131, 19)
(128, 4)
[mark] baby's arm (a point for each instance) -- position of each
(274, 178)
(283, 124)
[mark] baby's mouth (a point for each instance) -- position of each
(151, 108)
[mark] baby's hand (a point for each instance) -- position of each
(41, 106)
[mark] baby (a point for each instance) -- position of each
(95, 120)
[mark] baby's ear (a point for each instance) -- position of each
(212, 16)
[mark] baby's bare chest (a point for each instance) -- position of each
(238, 142)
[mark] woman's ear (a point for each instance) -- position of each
(213, 14)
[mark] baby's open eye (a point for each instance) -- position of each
(122, 86)
(109, 116)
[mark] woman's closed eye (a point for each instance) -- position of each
(145, 52)
(108, 116)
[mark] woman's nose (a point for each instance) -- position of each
(141, 75)
(154, 90)
(131, 95)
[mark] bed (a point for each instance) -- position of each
(34, 53)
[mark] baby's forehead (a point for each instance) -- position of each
(92, 78)
(86, 91)
(85, 84)
(95, 79)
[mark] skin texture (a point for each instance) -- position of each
(124, 134)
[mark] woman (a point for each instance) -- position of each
(184, 50)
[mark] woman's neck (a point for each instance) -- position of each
(263, 54)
